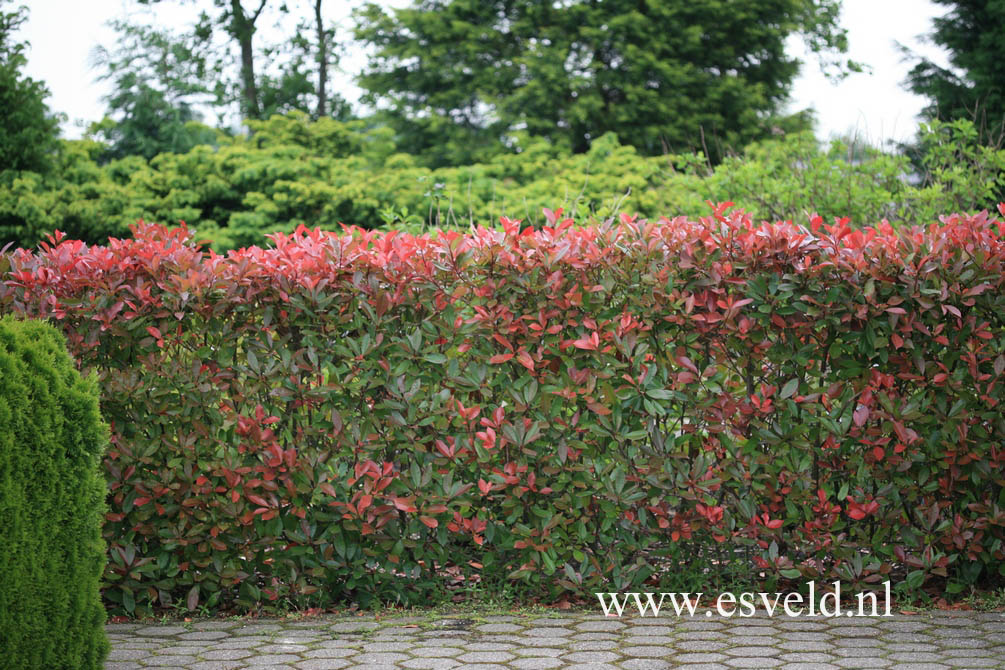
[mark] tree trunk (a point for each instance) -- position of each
(322, 62)
(243, 30)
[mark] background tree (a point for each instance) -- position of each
(28, 132)
(662, 75)
(291, 75)
(973, 87)
(158, 79)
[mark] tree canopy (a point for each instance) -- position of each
(28, 131)
(973, 86)
(475, 74)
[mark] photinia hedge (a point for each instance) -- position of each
(367, 416)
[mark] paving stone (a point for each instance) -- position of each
(485, 657)
(540, 651)
(806, 636)
(582, 657)
(806, 646)
(179, 649)
(910, 646)
(694, 624)
(651, 630)
(646, 664)
(593, 637)
(915, 657)
(118, 654)
(598, 626)
(749, 640)
(547, 631)
(226, 654)
(170, 660)
(160, 631)
(973, 662)
(321, 664)
(652, 640)
(593, 645)
(699, 645)
(489, 646)
(644, 651)
(586, 641)
(849, 652)
(330, 652)
(904, 626)
(281, 649)
(699, 657)
(203, 635)
(807, 657)
(435, 652)
(270, 659)
(387, 646)
(745, 630)
(556, 621)
(907, 637)
(353, 626)
(741, 662)
(855, 631)
(536, 663)
(867, 662)
(752, 652)
(379, 658)
(803, 625)
(704, 635)
(215, 665)
(430, 664)
(499, 628)
(857, 642)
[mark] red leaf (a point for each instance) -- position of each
(429, 521)
(154, 332)
(500, 358)
(860, 415)
(484, 486)
(598, 408)
(404, 504)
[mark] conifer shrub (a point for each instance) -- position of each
(51, 504)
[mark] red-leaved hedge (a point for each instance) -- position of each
(372, 415)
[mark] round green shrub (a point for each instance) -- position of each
(52, 502)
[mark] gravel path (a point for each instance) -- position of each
(580, 640)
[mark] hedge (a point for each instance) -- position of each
(52, 494)
(365, 416)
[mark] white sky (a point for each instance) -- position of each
(62, 34)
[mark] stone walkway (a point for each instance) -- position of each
(584, 641)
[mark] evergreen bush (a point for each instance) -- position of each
(52, 501)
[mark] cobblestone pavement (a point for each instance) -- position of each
(585, 641)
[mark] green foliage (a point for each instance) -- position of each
(663, 76)
(292, 171)
(52, 501)
(973, 86)
(28, 132)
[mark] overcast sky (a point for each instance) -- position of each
(62, 34)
